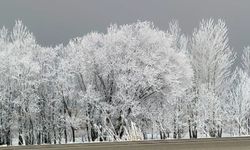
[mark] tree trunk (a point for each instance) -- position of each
(8, 137)
(192, 131)
(88, 131)
(248, 124)
(65, 134)
(39, 138)
(195, 133)
(175, 130)
(73, 133)
(239, 130)
(161, 135)
(20, 138)
(152, 133)
(220, 132)
(54, 135)
(145, 135)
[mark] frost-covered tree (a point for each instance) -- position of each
(129, 67)
(150, 67)
(246, 60)
(238, 105)
(182, 102)
(212, 60)
(239, 100)
(18, 72)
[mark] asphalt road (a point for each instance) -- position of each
(242, 143)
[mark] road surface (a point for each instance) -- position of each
(242, 143)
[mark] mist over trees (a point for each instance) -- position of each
(134, 82)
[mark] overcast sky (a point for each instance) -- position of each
(56, 21)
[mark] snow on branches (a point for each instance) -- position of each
(131, 83)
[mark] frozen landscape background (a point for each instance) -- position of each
(135, 80)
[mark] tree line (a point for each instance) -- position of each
(134, 82)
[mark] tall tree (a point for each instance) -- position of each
(212, 60)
